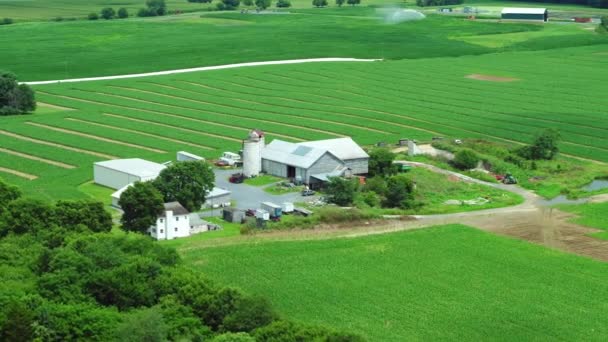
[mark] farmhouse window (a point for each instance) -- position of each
(175, 228)
(161, 231)
(161, 220)
(176, 218)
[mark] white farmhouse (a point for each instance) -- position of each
(173, 223)
(119, 173)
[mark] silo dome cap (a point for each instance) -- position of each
(254, 135)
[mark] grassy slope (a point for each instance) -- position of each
(41, 51)
(450, 282)
(592, 215)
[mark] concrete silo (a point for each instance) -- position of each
(252, 153)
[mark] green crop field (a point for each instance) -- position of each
(210, 112)
(34, 52)
(443, 283)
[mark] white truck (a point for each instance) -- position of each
(231, 158)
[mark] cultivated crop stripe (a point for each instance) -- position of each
(18, 173)
(90, 136)
(43, 160)
(140, 133)
(48, 143)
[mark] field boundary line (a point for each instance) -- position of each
(91, 136)
(207, 68)
(43, 160)
(140, 133)
(52, 144)
(18, 173)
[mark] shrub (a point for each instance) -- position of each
(228, 5)
(400, 192)
(338, 215)
(340, 3)
(6, 21)
(544, 146)
(93, 16)
(262, 4)
(466, 159)
(353, 2)
(319, 3)
(108, 13)
(283, 4)
(123, 13)
(341, 191)
(58, 19)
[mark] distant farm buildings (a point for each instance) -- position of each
(307, 162)
(525, 14)
(175, 222)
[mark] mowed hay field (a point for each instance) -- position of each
(210, 112)
(442, 283)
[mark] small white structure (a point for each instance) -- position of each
(262, 214)
(186, 156)
(287, 207)
(252, 153)
(116, 195)
(173, 223)
(231, 158)
(412, 148)
(217, 197)
(119, 173)
(274, 210)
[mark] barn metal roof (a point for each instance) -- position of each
(217, 192)
(292, 154)
(135, 166)
(521, 10)
(343, 148)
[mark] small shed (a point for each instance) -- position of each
(119, 173)
(233, 215)
(525, 14)
(217, 197)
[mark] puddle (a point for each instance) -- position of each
(597, 184)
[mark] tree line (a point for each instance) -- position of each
(15, 98)
(66, 277)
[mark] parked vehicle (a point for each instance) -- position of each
(237, 178)
(231, 158)
(250, 212)
(221, 163)
(307, 192)
(273, 209)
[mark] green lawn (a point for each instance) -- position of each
(262, 180)
(443, 283)
(592, 215)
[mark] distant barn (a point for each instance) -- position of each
(525, 14)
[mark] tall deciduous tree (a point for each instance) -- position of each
(187, 183)
(8, 193)
(108, 13)
(141, 203)
(400, 192)
(123, 13)
(92, 215)
(381, 162)
(544, 146)
(262, 4)
(26, 215)
(341, 191)
(15, 98)
(18, 324)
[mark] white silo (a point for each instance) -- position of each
(252, 153)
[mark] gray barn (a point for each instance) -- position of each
(525, 14)
(309, 162)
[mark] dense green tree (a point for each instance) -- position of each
(181, 322)
(26, 215)
(6, 21)
(381, 162)
(319, 3)
(92, 215)
(263, 4)
(18, 324)
(8, 193)
(141, 205)
(544, 146)
(341, 191)
(234, 337)
(79, 321)
(466, 159)
(93, 16)
(340, 3)
(122, 13)
(15, 98)
(228, 5)
(400, 192)
(353, 2)
(187, 183)
(285, 331)
(159, 7)
(108, 13)
(248, 314)
(143, 325)
(283, 3)
(376, 184)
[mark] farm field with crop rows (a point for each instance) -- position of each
(451, 282)
(210, 112)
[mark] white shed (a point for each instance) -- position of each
(119, 173)
(186, 156)
(217, 197)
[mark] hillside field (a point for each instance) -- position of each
(87, 49)
(210, 112)
(443, 283)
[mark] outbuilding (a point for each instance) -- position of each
(217, 197)
(119, 173)
(525, 14)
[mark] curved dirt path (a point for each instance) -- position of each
(207, 68)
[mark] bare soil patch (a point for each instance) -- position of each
(43, 160)
(18, 173)
(490, 78)
(64, 147)
(95, 137)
